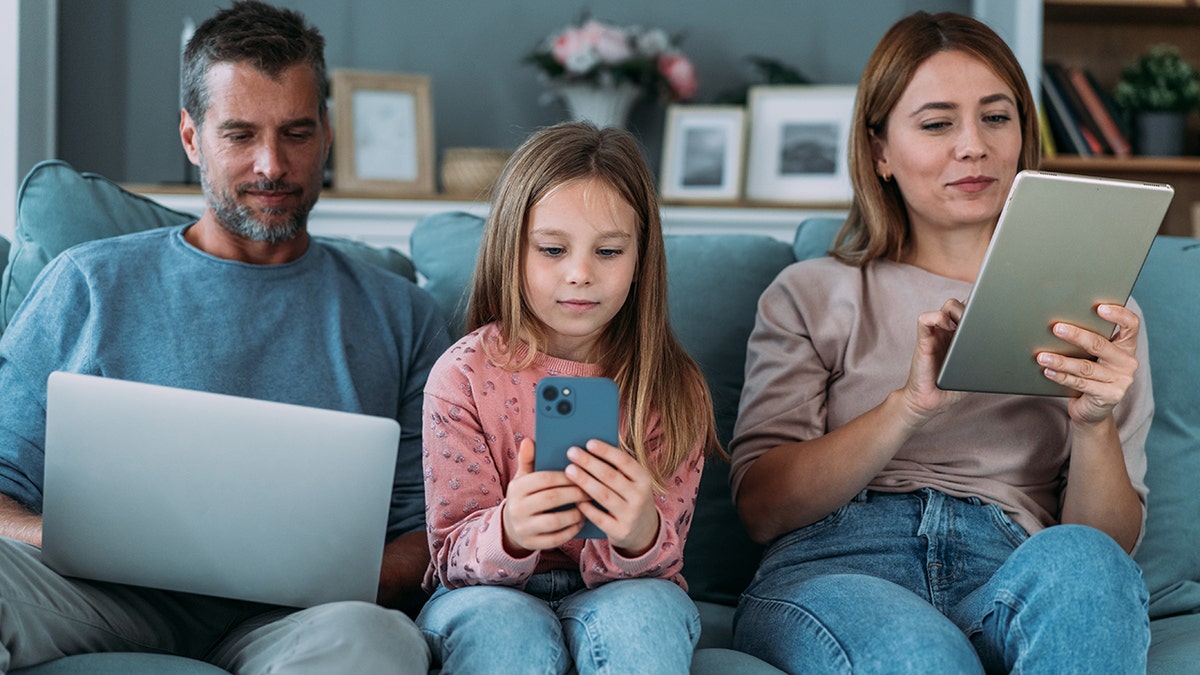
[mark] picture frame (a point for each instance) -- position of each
(382, 134)
(799, 144)
(703, 153)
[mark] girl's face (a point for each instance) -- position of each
(579, 263)
(952, 144)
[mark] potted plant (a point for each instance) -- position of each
(600, 69)
(1159, 88)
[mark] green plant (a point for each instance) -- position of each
(1159, 80)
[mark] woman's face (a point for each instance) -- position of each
(952, 144)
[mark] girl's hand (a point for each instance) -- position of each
(623, 487)
(922, 397)
(530, 520)
(1102, 383)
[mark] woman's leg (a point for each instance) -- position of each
(849, 623)
(493, 629)
(1067, 600)
(631, 626)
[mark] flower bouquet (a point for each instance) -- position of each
(602, 56)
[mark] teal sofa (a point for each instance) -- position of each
(715, 282)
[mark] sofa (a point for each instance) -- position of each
(715, 282)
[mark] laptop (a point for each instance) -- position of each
(1064, 244)
(214, 494)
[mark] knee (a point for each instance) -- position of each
(1082, 564)
(363, 637)
(851, 623)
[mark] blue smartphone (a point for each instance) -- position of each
(570, 412)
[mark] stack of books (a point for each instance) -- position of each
(1079, 116)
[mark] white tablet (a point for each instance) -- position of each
(1063, 245)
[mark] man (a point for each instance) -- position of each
(241, 302)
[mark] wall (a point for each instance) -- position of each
(118, 110)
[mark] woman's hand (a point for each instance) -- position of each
(623, 489)
(923, 399)
(1102, 383)
(530, 520)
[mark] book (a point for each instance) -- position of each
(1099, 113)
(1049, 149)
(1118, 114)
(1087, 126)
(1067, 136)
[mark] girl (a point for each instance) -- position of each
(915, 529)
(571, 280)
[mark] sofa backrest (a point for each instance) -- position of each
(1168, 291)
(714, 282)
(59, 207)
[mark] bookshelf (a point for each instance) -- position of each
(1103, 35)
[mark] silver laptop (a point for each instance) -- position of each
(1064, 244)
(213, 494)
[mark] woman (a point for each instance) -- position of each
(913, 528)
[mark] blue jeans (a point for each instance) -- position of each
(624, 626)
(923, 583)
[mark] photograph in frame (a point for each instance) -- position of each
(383, 134)
(703, 148)
(799, 144)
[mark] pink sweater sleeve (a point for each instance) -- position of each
(464, 490)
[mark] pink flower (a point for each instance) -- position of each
(680, 75)
(570, 43)
(611, 44)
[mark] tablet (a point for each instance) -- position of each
(1064, 244)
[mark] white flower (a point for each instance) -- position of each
(581, 61)
(653, 42)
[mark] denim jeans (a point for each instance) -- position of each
(624, 626)
(927, 583)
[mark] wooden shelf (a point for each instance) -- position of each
(1075, 163)
(1104, 36)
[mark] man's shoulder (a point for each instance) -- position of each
(133, 243)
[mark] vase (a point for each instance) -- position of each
(1160, 133)
(602, 106)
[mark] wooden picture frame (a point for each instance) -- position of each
(382, 134)
(799, 144)
(703, 150)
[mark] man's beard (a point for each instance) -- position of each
(240, 220)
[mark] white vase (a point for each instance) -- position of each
(602, 106)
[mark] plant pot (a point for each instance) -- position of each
(602, 106)
(1159, 132)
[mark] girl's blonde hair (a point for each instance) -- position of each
(877, 225)
(638, 350)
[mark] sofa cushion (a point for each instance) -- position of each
(714, 282)
(122, 663)
(1170, 551)
(59, 207)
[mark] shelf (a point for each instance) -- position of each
(1075, 163)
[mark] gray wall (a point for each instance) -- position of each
(118, 111)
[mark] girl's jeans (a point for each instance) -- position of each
(927, 583)
(624, 626)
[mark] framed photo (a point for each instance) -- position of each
(799, 144)
(382, 134)
(702, 153)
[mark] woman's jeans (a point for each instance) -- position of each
(927, 583)
(624, 626)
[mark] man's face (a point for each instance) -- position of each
(261, 150)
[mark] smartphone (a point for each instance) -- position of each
(570, 412)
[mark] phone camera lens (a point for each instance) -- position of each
(550, 393)
(564, 407)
